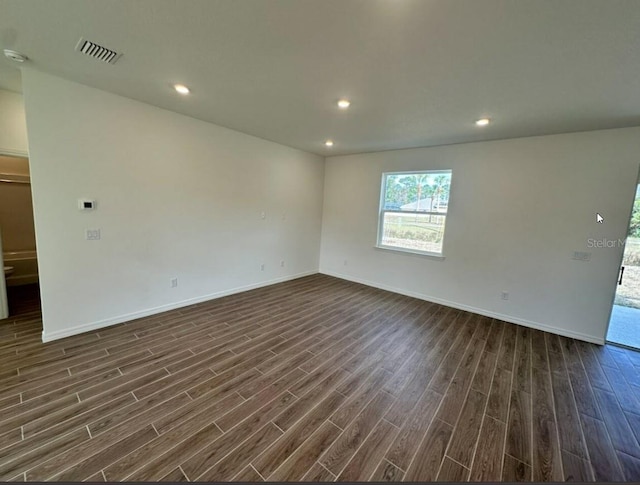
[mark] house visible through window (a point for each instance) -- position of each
(413, 211)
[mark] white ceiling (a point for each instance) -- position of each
(418, 72)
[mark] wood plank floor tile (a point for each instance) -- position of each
(498, 404)
(174, 475)
(634, 423)
(467, 429)
(123, 384)
(226, 468)
(248, 474)
(271, 459)
(575, 468)
(569, 429)
(630, 467)
(318, 474)
(241, 436)
(539, 350)
(164, 445)
(310, 400)
(352, 407)
(546, 465)
(404, 446)
(447, 369)
(150, 409)
(585, 399)
(365, 460)
(69, 385)
(450, 471)
(619, 386)
(553, 343)
(212, 404)
(601, 452)
(484, 372)
(487, 462)
(513, 470)
(248, 407)
(10, 437)
(69, 418)
(355, 433)
(305, 456)
(518, 443)
(314, 379)
(49, 451)
(556, 363)
(387, 472)
(522, 365)
(19, 419)
(96, 477)
(251, 388)
(507, 348)
(160, 467)
(614, 419)
(592, 366)
(426, 462)
(458, 389)
(108, 455)
(495, 337)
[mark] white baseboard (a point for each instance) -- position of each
(480, 311)
(87, 327)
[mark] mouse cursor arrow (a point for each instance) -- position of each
(599, 218)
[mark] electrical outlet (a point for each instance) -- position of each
(92, 234)
(282, 263)
(581, 256)
(346, 263)
(505, 295)
(263, 215)
(262, 267)
(174, 282)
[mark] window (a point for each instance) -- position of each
(413, 211)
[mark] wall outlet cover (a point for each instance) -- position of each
(92, 234)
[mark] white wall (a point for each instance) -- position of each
(176, 197)
(13, 130)
(518, 210)
(182, 198)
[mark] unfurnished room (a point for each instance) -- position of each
(320, 240)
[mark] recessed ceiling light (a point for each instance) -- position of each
(181, 88)
(344, 103)
(483, 122)
(329, 143)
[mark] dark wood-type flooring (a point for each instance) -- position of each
(315, 379)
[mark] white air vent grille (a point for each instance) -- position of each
(97, 51)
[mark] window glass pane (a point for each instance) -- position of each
(421, 232)
(417, 191)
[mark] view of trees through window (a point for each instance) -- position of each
(627, 293)
(413, 211)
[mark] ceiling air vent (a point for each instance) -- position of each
(97, 51)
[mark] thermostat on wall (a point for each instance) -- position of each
(86, 204)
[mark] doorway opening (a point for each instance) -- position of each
(624, 326)
(17, 240)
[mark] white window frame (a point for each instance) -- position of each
(382, 212)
